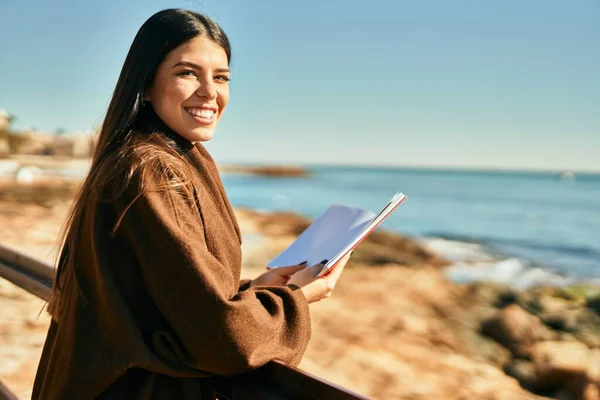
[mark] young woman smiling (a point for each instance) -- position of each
(147, 300)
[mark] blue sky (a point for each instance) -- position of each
(491, 84)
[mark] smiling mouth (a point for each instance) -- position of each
(202, 115)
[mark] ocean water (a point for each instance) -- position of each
(521, 228)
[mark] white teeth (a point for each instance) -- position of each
(200, 112)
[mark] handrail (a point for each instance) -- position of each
(6, 394)
(274, 381)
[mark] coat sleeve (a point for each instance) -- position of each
(217, 324)
(244, 284)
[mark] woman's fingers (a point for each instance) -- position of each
(290, 269)
(339, 268)
(315, 288)
(313, 271)
(336, 270)
(305, 276)
(303, 264)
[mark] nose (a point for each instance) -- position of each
(207, 89)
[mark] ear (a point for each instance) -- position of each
(147, 94)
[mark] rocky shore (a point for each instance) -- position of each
(56, 166)
(290, 171)
(395, 327)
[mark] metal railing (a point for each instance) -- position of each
(274, 381)
(6, 394)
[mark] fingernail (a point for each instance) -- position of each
(324, 261)
(318, 272)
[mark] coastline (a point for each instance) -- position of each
(61, 166)
(396, 327)
(526, 261)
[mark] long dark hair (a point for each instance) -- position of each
(119, 135)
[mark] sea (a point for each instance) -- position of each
(518, 228)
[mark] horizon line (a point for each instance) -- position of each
(468, 168)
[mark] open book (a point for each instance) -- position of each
(337, 231)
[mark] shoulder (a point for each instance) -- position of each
(143, 163)
(148, 179)
(145, 176)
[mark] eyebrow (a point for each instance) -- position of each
(192, 65)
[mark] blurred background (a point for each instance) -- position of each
(485, 283)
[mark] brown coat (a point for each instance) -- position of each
(164, 309)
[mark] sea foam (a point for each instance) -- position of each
(472, 262)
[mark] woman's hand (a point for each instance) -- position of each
(314, 288)
(277, 276)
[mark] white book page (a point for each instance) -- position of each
(326, 237)
(383, 214)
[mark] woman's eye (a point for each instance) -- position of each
(187, 72)
(222, 78)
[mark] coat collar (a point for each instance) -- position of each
(148, 123)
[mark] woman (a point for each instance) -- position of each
(147, 301)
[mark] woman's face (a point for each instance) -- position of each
(191, 89)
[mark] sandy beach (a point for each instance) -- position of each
(395, 327)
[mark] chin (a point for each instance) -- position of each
(200, 135)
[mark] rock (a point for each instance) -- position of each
(517, 329)
(38, 192)
(594, 367)
(524, 372)
(506, 297)
(581, 322)
(560, 363)
(488, 293)
(529, 300)
(554, 304)
(580, 385)
(284, 171)
(275, 223)
(385, 247)
(577, 388)
(593, 303)
(484, 349)
(561, 321)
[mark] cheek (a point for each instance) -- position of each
(169, 95)
(177, 93)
